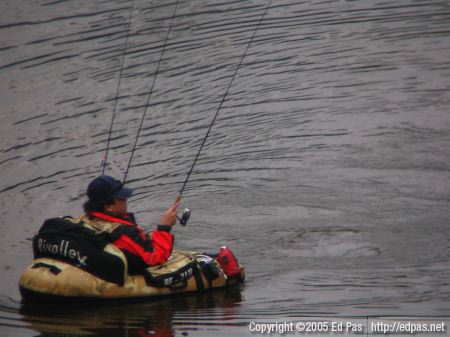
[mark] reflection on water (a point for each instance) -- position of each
(160, 318)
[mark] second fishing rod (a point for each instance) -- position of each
(187, 212)
(180, 193)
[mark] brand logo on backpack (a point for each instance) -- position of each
(61, 249)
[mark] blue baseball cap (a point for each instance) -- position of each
(105, 187)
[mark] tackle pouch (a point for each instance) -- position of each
(209, 267)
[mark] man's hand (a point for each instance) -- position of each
(170, 216)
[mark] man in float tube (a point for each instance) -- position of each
(107, 210)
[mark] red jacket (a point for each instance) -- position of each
(142, 250)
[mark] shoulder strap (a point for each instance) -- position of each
(110, 218)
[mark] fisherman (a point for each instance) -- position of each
(106, 210)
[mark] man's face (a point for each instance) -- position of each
(118, 208)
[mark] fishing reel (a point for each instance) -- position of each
(183, 220)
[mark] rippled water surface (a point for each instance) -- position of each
(327, 171)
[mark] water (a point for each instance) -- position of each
(327, 171)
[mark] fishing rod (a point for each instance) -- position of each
(186, 214)
(105, 158)
(180, 193)
(151, 91)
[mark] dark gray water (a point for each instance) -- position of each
(327, 172)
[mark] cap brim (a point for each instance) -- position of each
(124, 193)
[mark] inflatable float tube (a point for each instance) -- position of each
(52, 280)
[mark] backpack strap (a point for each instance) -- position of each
(198, 277)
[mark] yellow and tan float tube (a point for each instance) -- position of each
(40, 282)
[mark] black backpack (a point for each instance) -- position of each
(64, 240)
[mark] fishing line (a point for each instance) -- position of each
(151, 91)
(223, 99)
(105, 158)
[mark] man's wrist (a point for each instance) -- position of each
(164, 228)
